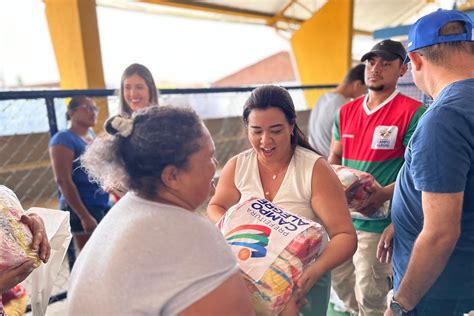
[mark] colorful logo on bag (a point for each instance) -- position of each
(252, 238)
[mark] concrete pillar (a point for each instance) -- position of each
(75, 37)
(322, 46)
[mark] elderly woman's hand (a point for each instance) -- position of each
(40, 240)
(10, 278)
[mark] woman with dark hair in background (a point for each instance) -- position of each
(85, 200)
(137, 90)
(283, 168)
(152, 254)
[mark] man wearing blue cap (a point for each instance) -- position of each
(433, 204)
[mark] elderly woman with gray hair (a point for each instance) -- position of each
(152, 255)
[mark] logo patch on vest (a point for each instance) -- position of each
(384, 137)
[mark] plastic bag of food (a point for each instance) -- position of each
(15, 237)
(273, 247)
(15, 293)
(357, 186)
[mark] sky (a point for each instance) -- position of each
(175, 49)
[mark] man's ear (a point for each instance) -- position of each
(169, 176)
(416, 61)
(403, 70)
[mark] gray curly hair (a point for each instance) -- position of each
(160, 136)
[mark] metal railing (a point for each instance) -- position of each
(30, 118)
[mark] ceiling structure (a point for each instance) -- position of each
(287, 15)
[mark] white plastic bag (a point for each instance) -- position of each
(357, 187)
(42, 279)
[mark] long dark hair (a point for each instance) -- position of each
(269, 96)
(145, 74)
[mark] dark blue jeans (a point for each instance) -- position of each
(434, 307)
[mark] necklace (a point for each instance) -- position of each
(274, 176)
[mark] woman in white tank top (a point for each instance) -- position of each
(283, 168)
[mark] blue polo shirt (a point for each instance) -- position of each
(439, 158)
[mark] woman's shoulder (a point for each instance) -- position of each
(156, 213)
(244, 157)
(188, 231)
(245, 154)
(142, 218)
(63, 137)
(63, 134)
(306, 154)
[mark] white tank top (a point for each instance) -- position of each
(294, 194)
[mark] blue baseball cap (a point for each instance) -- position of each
(425, 32)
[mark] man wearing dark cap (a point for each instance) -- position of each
(433, 203)
(371, 134)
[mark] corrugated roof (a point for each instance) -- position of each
(287, 15)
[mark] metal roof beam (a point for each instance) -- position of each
(402, 29)
(390, 32)
(280, 14)
(219, 9)
(362, 32)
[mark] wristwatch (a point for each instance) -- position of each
(397, 308)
